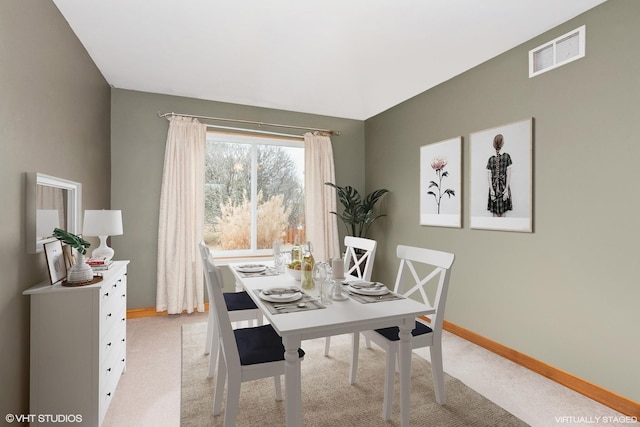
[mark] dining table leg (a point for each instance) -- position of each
(405, 370)
(292, 381)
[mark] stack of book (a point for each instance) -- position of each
(99, 263)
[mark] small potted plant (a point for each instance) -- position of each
(80, 272)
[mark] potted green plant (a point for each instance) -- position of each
(80, 272)
(358, 213)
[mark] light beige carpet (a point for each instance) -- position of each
(327, 397)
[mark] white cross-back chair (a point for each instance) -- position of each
(430, 269)
(240, 306)
(362, 252)
(244, 354)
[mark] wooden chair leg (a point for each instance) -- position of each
(211, 331)
(437, 371)
(233, 402)
(353, 370)
(278, 385)
(218, 391)
(214, 349)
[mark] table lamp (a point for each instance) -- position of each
(102, 223)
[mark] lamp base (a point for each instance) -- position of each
(103, 250)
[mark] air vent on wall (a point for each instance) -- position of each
(557, 52)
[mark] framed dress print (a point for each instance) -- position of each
(501, 196)
(440, 183)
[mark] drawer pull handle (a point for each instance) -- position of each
(106, 294)
(109, 394)
(109, 315)
(108, 369)
(109, 345)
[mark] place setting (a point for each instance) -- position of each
(256, 270)
(288, 299)
(367, 292)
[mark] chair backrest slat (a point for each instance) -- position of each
(438, 264)
(362, 263)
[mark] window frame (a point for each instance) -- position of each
(254, 140)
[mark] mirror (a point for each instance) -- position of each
(50, 202)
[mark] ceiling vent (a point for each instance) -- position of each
(557, 52)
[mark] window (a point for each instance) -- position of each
(254, 193)
(557, 52)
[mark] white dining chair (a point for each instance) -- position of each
(245, 354)
(240, 306)
(429, 270)
(360, 254)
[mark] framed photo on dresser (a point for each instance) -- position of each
(55, 261)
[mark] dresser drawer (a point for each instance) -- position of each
(113, 306)
(112, 342)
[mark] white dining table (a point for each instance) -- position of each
(340, 317)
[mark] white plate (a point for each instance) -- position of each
(359, 283)
(365, 291)
(288, 297)
(251, 268)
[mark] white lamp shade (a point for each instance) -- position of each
(102, 223)
(46, 221)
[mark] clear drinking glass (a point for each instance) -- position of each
(278, 258)
(319, 275)
(322, 282)
(326, 292)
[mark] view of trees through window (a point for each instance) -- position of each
(254, 192)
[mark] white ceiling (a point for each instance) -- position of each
(342, 58)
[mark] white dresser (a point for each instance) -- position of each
(78, 348)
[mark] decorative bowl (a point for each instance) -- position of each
(297, 274)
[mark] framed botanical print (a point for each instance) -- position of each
(440, 183)
(501, 196)
(55, 261)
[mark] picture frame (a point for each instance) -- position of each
(509, 207)
(441, 183)
(55, 261)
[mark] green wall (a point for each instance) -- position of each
(138, 140)
(54, 119)
(566, 294)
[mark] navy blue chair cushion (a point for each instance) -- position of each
(392, 333)
(238, 301)
(261, 344)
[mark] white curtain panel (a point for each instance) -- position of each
(180, 280)
(320, 199)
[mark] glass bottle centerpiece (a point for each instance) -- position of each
(307, 268)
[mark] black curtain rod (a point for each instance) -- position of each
(329, 131)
